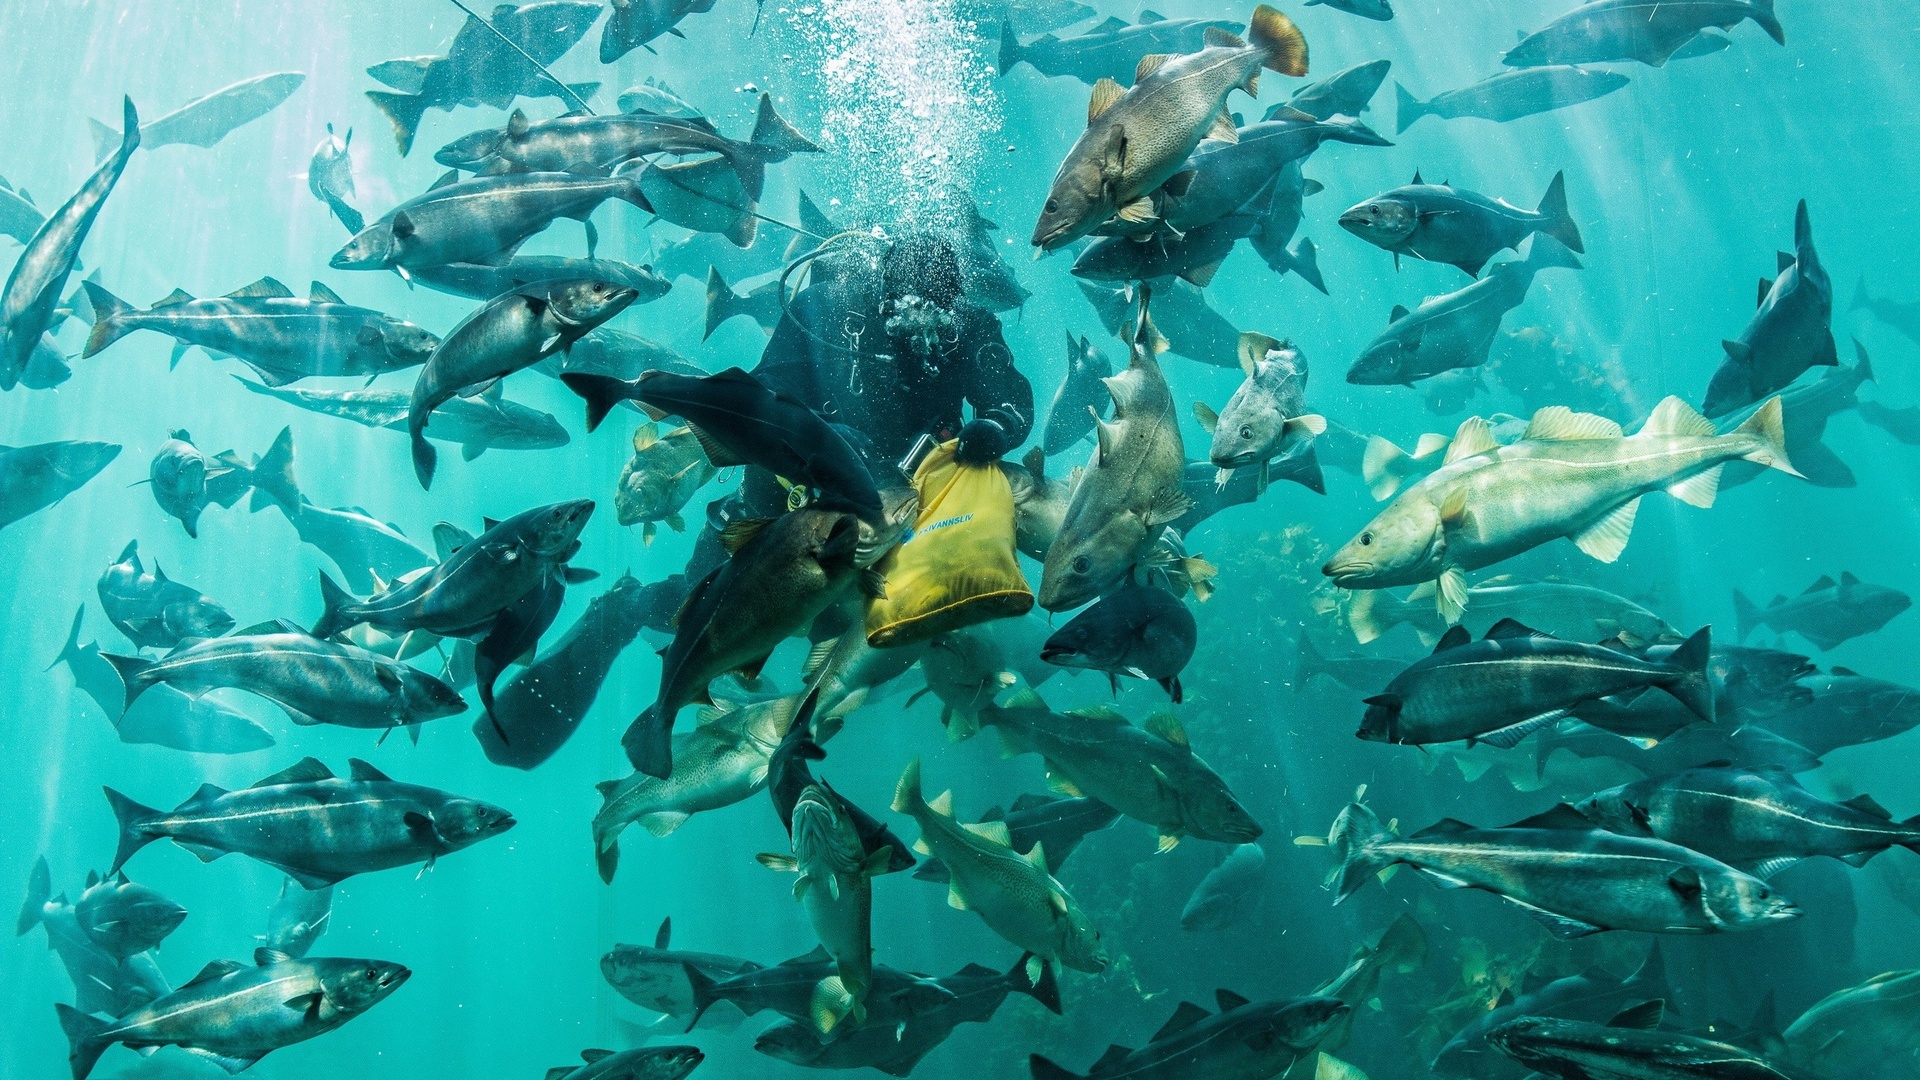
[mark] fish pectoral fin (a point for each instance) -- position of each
(1508, 737)
(955, 899)
(1559, 926)
(203, 852)
(1766, 868)
(1606, 538)
(230, 1062)
(664, 822)
(307, 1005)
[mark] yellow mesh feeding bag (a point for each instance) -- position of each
(957, 567)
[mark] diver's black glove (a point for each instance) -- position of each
(981, 441)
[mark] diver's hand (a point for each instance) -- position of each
(981, 441)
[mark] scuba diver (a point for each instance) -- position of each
(884, 344)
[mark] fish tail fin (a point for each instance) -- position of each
(1860, 297)
(772, 132)
(105, 139)
(600, 392)
(334, 601)
(133, 819)
(907, 797)
(722, 301)
(404, 111)
(1303, 260)
(1559, 221)
(129, 128)
(1307, 664)
(108, 323)
(1285, 46)
(39, 891)
(273, 481)
(353, 219)
(1010, 51)
(1863, 364)
(1746, 616)
(1042, 1069)
(1911, 843)
(1546, 253)
(1768, 425)
(1356, 838)
(606, 853)
(1046, 988)
(1763, 14)
(705, 992)
(71, 650)
(1408, 108)
(631, 194)
(1383, 466)
(130, 669)
(84, 1038)
(1371, 614)
(649, 742)
(1692, 686)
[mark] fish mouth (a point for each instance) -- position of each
(1235, 461)
(506, 821)
(1343, 572)
(1058, 654)
(395, 977)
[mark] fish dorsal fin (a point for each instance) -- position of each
(942, 804)
(994, 813)
(1822, 585)
(265, 287)
(1228, 1000)
(451, 176)
(1037, 856)
(1105, 93)
(817, 956)
(1399, 312)
(1675, 417)
(1151, 16)
(591, 1056)
(1224, 130)
(1209, 420)
(738, 533)
(1113, 23)
(320, 294)
(1430, 444)
(1443, 827)
(304, 771)
(1512, 628)
(1846, 672)
(1475, 436)
(1782, 260)
(1847, 580)
(644, 436)
(488, 524)
(1025, 699)
(1557, 423)
(361, 770)
(1217, 37)
(1149, 64)
(216, 969)
(1167, 726)
(1561, 816)
(271, 626)
(177, 296)
(264, 956)
(1254, 348)
(1114, 1055)
(1866, 805)
(993, 832)
(1184, 1017)
(717, 453)
(1645, 1016)
(1416, 181)
(1455, 637)
(1103, 714)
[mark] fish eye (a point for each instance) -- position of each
(1053, 205)
(372, 974)
(1082, 564)
(1366, 539)
(1246, 431)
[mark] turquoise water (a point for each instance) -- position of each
(1683, 185)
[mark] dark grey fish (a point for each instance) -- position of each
(788, 988)
(1790, 332)
(186, 481)
(315, 681)
(154, 611)
(101, 983)
(1455, 331)
(1081, 398)
(91, 675)
(480, 220)
(692, 256)
(1195, 256)
(1055, 822)
(486, 421)
(1229, 889)
(1511, 95)
(265, 326)
(1040, 16)
(1181, 314)
(298, 918)
(619, 355)
(125, 918)
(313, 826)
(35, 477)
(655, 977)
(1137, 630)
(1805, 408)
(1377, 10)
(330, 178)
(640, 1063)
(1227, 177)
(206, 120)
(1362, 673)
(1704, 43)
(512, 331)
(1285, 202)
(367, 551)
(1847, 709)
(1903, 316)
(1566, 872)
(763, 303)
(1344, 93)
(484, 281)
(1748, 685)
(1828, 613)
(1650, 31)
(542, 706)
(19, 217)
(1902, 424)
(738, 421)
(163, 716)
(480, 68)
(634, 23)
(1628, 1045)
(1761, 821)
(906, 1022)
(1111, 50)
(1244, 1039)
(33, 287)
(1592, 995)
(1442, 223)
(235, 1015)
(653, 95)
(1751, 746)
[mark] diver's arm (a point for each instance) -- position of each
(998, 391)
